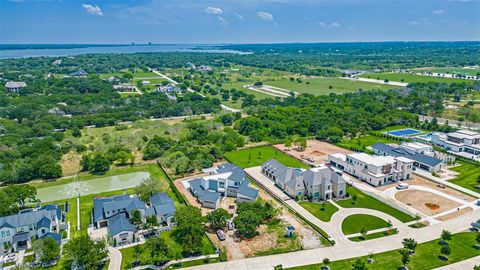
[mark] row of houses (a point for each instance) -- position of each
(320, 183)
(115, 213)
(17, 231)
(227, 180)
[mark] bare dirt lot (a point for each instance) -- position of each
(426, 202)
(317, 150)
(420, 181)
(455, 214)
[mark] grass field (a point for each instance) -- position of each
(321, 86)
(365, 201)
(354, 223)
(129, 255)
(409, 78)
(426, 256)
(323, 211)
(255, 156)
(373, 235)
(468, 175)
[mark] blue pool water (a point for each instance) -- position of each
(403, 132)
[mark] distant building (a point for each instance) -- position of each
(145, 82)
(375, 170)
(169, 88)
(80, 73)
(125, 87)
(14, 86)
(227, 180)
(463, 142)
(204, 68)
(114, 213)
(19, 230)
(112, 79)
(414, 151)
(320, 183)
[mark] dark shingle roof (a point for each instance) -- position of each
(400, 152)
(248, 191)
(55, 236)
(119, 223)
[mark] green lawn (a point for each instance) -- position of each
(469, 173)
(255, 156)
(323, 211)
(373, 235)
(321, 86)
(129, 256)
(366, 201)
(426, 256)
(363, 142)
(193, 263)
(354, 223)
(409, 78)
(86, 202)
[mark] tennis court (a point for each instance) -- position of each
(404, 132)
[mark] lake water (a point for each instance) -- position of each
(113, 49)
(98, 185)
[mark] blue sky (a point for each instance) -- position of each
(235, 21)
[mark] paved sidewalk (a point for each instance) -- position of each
(462, 265)
(346, 250)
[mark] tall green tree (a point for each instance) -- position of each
(84, 253)
(46, 250)
(189, 230)
(218, 218)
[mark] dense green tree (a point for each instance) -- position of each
(218, 218)
(81, 252)
(189, 229)
(46, 250)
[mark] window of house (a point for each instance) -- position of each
(3, 233)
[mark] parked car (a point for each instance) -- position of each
(476, 225)
(221, 235)
(402, 186)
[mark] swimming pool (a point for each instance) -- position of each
(404, 132)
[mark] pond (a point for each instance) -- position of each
(98, 185)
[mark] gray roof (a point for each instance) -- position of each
(25, 218)
(24, 236)
(248, 191)
(163, 204)
(44, 223)
(296, 182)
(119, 223)
(55, 236)
(160, 198)
(208, 196)
(401, 152)
(119, 202)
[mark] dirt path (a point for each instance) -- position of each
(426, 202)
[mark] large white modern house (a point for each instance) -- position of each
(18, 231)
(319, 183)
(375, 170)
(463, 142)
(227, 180)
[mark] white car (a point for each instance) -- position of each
(402, 186)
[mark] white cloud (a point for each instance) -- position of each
(413, 23)
(240, 17)
(329, 25)
(438, 11)
(222, 20)
(93, 9)
(265, 16)
(213, 10)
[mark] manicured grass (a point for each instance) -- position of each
(409, 78)
(193, 263)
(129, 255)
(468, 175)
(354, 223)
(322, 211)
(364, 141)
(373, 235)
(327, 85)
(255, 156)
(366, 201)
(426, 256)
